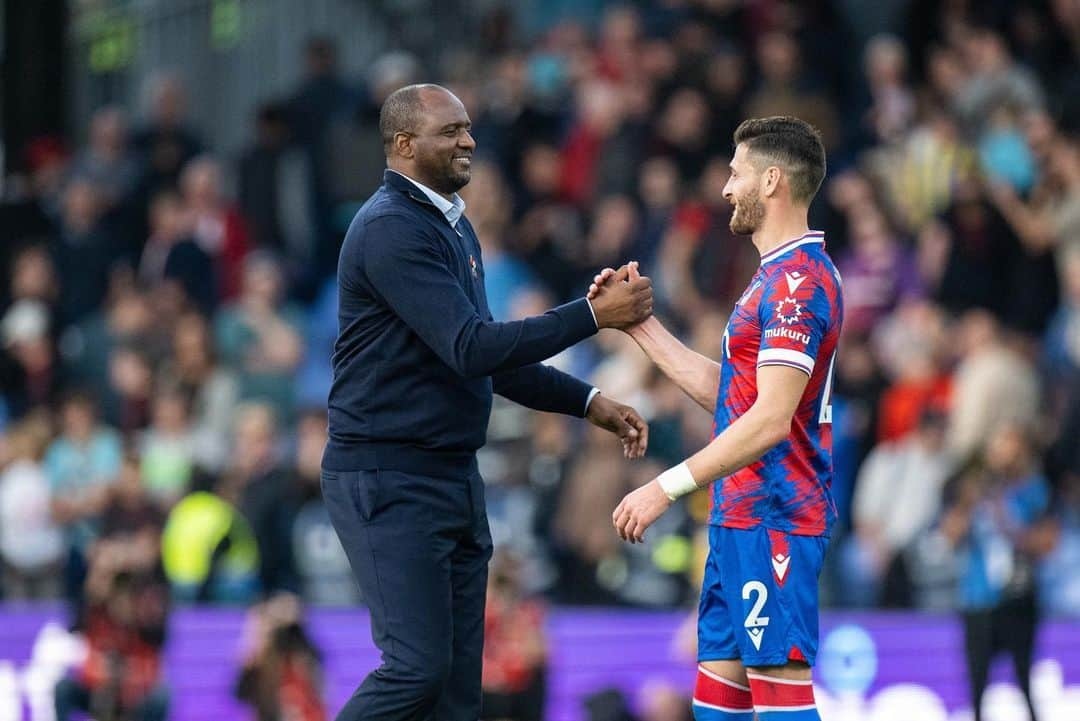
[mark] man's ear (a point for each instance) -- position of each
(770, 180)
(403, 144)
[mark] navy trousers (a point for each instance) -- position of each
(419, 547)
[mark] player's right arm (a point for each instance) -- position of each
(696, 375)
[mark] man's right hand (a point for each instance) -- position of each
(623, 300)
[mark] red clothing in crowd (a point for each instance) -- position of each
(122, 655)
(904, 402)
(513, 645)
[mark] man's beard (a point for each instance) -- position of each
(458, 178)
(749, 212)
(448, 178)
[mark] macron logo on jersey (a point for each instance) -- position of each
(794, 280)
(780, 563)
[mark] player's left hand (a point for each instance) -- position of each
(639, 510)
(623, 421)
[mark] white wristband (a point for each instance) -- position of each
(677, 482)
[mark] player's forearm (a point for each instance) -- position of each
(743, 442)
(695, 374)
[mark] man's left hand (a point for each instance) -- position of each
(639, 510)
(623, 421)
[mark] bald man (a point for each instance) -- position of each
(416, 361)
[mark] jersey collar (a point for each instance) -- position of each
(814, 236)
(452, 210)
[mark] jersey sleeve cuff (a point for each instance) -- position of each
(786, 357)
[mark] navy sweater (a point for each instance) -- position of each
(418, 355)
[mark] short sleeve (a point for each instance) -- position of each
(794, 314)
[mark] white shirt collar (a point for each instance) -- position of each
(452, 209)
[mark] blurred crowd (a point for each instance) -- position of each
(169, 309)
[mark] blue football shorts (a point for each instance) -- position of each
(759, 598)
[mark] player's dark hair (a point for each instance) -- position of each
(401, 112)
(793, 144)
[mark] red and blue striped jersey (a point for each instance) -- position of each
(789, 315)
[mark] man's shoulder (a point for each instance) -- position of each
(385, 211)
(805, 271)
(384, 205)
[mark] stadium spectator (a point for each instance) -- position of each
(546, 227)
(594, 482)
(81, 465)
(321, 564)
(786, 89)
(259, 483)
(273, 193)
(30, 372)
(219, 565)
(879, 272)
(33, 276)
(997, 522)
(911, 349)
(995, 80)
(898, 495)
(126, 318)
(261, 335)
(216, 224)
(683, 133)
(602, 114)
(282, 675)
(980, 248)
(165, 141)
(84, 250)
(322, 97)
(993, 385)
(892, 109)
(108, 161)
(212, 389)
(1048, 221)
(30, 205)
(1061, 345)
(1058, 585)
(131, 511)
(169, 448)
(171, 254)
(127, 605)
(130, 389)
(658, 191)
(31, 542)
(515, 647)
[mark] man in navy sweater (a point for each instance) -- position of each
(416, 361)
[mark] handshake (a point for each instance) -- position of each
(621, 298)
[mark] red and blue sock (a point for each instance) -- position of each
(782, 699)
(718, 699)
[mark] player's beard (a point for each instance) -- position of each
(748, 215)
